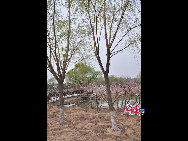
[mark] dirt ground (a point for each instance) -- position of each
(85, 125)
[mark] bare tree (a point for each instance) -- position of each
(117, 21)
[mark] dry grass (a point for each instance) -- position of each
(85, 125)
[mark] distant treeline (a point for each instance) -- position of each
(83, 75)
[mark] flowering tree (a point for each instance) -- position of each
(119, 23)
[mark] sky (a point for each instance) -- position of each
(126, 63)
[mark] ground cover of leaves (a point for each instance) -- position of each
(83, 124)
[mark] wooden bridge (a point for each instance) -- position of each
(68, 95)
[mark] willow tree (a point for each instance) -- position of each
(65, 42)
(117, 23)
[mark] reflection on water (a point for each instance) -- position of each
(102, 104)
(120, 103)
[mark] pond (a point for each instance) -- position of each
(102, 103)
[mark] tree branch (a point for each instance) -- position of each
(124, 36)
(122, 14)
(56, 60)
(96, 49)
(105, 23)
(116, 99)
(112, 24)
(107, 45)
(114, 53)
(51, 69)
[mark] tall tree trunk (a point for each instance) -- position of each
(61, 100)
(111, 108)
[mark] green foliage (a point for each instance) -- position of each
(99, 81)
(82, 75)
(114, 79)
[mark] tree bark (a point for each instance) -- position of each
(111, 108)
(61, 100)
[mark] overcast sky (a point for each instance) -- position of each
(127, 64)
